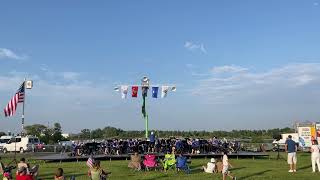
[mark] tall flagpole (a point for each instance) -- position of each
(22, 117)
(144, 113)
(145, 84)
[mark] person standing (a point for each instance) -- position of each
(291, 149)
(315, 157)
(226, 165)
(152, 141)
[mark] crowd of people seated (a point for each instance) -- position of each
(127, 146)
(145, 155)
(23, 172)
(150, 161)
(173, 159)
(179, 162)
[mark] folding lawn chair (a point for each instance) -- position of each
(182, 164)
(169, 161)
(150, 162)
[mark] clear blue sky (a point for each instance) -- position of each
(237, 64)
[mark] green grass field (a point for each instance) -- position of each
(263, 168)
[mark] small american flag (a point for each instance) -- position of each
(90, 162)
(11, 107)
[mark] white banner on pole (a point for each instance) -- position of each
(124, 92)
(164, 91)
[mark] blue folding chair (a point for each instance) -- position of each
(182, 164)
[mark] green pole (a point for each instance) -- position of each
(146, 119)
(145, 114)
(147, 126)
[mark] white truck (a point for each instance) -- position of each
(284, 137)
(21, 144)
(281, 142)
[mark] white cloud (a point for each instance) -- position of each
(44, 67)
(235, 83)
(192, 68)
(8, 83)
(9, 54)
(58, 89)
(66, 76)
(193, 46)
(228, 69)
(70, 75)
(59, 100)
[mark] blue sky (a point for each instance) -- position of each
(237, 64)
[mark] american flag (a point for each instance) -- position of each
(11, 107)
(90, 162)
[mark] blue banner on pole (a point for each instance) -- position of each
(155, 92)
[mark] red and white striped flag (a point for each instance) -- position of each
(90, 162)
(11, 107)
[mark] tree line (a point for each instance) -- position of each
(47, 135)
(53, 134)
(112, 132)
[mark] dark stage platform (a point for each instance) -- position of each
(66, 157)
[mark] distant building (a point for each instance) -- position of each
(65, 135)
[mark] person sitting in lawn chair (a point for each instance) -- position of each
(96, 172)
(150, 162)
(211, 166)
(1, 167)
(59, 174)
(169, 161)
(22, 174)
(5, 171)
(135, 162)
(23, 163)
(182, 164)
(30, 171)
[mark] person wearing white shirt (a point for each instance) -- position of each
(315, 157)
(225, 169)
(211, 166)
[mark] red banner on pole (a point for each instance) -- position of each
(134, 91)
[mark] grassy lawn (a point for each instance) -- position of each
(262, 168)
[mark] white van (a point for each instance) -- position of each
(21, 144)
(4, 140)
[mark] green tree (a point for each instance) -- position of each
(35, 130)
(85, 134)
(97, 133)
(110, 132)
(56, 132)
(2, 134)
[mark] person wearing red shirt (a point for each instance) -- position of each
(22, 174)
